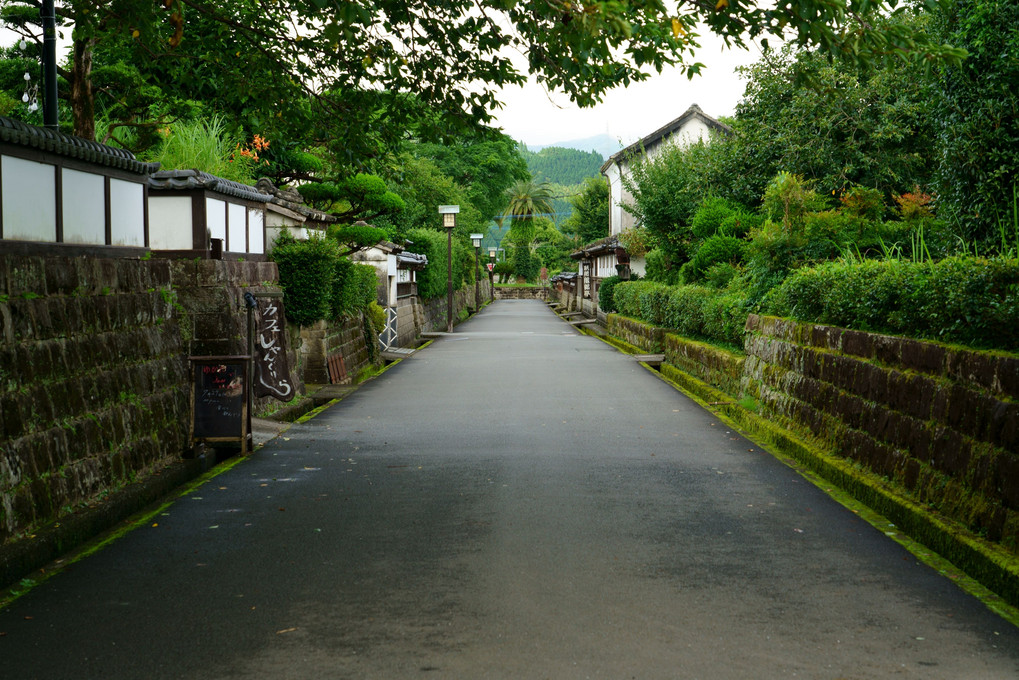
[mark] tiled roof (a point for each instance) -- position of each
(196, 179)
(669, 128)
(22, 134)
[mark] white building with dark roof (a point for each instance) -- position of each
(693, 126)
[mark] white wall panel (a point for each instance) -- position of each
(170, 226)
(84, 207)
(215, 218)
(29, 200)
(236, 241)
(127, 213)
(256, 232)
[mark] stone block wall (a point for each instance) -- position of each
(940, 422)
(409, 321)
(337, 340)
(722, 369)
(208, 298)
(637, 333)
(519, 293)
(93, 388)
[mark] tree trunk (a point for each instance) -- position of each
(83, 106)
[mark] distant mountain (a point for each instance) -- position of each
(561, 165)
(605, 145)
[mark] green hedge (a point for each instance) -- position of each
(306, 271)
(965, 300)
(690, 310)
(354, 287)
(317, 283)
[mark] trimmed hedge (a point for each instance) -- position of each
(689, 310)
(965, 300)
(319, 284)
(354, 287)
(306, 271)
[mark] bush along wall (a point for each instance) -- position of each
(965, 300)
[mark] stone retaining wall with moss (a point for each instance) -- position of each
(939, 422)
(338, 343)
(93, 390)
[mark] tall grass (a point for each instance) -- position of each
(205, 145)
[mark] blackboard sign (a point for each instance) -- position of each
(219, 400)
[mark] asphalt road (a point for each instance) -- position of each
(514, 501)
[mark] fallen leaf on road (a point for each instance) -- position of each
(799, 531)
(155, 524)
(285, 630)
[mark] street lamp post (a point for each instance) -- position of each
(476, 240)
(491, 273)
(449, 213)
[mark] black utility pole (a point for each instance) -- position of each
(49, 66)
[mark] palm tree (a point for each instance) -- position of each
(527, 198)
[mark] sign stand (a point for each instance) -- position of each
(220, 392)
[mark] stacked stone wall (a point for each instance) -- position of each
(941, 423)
(718, 367)
(208, 298)
(637, 333)
(93, 388)
(342, 341)
(520, 293)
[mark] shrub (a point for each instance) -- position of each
(606, 290)
(864, 203)
(627, 296)
(963, 300)
(740, 223)
(709, 217)
(717, 249)
(306, 272)
(659, 267)
(355, 287)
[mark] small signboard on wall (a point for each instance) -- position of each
(219, 400)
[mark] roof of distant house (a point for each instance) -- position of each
(694, 112)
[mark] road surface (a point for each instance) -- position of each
(513, 501)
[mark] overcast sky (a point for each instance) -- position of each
(532, 116)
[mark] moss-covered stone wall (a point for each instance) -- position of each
(341, 343)
(93, 387)
(941, 423)
(713, 365)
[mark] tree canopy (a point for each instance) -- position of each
(371, 69)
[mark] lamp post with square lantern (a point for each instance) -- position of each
(449, 213)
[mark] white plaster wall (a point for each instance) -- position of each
(84, 207)
(236, 240)
(215, 218)
(170, 226)
(127, 213)
(638, 266)
(613, 176)
(29, 200)
(256, 231)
